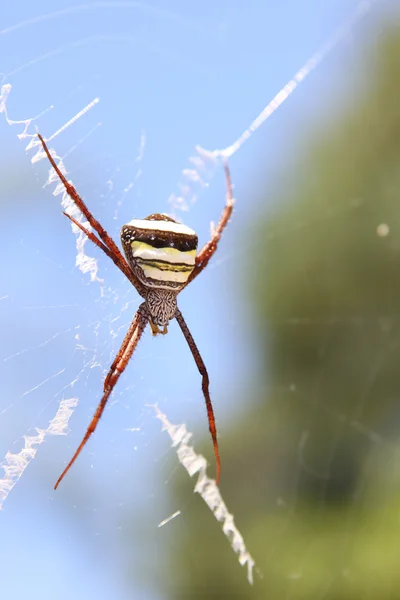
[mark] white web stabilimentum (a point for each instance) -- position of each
(196, 464)
(201, 165)
(85, 263)
(14, 464)
(203, 162)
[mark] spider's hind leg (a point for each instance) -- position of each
(205, 385)
(118, 366)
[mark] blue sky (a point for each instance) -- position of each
(169, 75)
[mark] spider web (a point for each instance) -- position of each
(123, 90)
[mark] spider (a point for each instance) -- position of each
(160, 262)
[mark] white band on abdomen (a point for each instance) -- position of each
(161, 226)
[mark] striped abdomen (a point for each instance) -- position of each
(160, 251)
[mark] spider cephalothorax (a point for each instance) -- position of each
(160, 261)
(161, 305)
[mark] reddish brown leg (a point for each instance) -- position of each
(124, 268)
(205, 254)
(107, 241)
(73, 194)
(128, 347)
(205, 386)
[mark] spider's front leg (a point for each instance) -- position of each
(118, 366)
(104, 241)
(206, 253)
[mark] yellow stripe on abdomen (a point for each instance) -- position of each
(143, 251)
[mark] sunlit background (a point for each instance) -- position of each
(296, 317)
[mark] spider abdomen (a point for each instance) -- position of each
(160, 251)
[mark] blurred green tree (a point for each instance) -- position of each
(312, 473)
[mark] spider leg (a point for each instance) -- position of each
(124, 268)
(107, 241)
(205, 254)
(73, 194)
(118, 366)
(205, 386)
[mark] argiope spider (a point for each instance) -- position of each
(160, 262)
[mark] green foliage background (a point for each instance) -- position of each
(312, 473)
